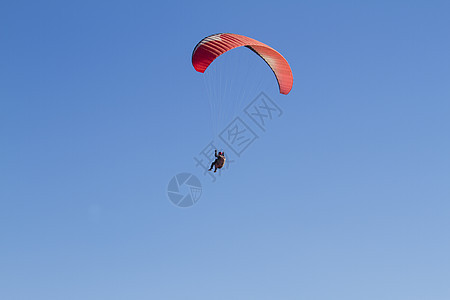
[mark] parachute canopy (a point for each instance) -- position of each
(211, 47)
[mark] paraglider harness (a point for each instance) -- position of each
(218, 162)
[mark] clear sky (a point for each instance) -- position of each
(345, 196)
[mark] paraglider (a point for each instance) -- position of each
(218, 162)
(213, 46)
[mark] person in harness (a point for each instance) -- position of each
(219, 162)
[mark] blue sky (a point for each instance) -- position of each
(346, 196)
